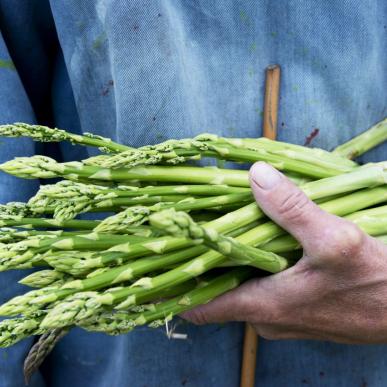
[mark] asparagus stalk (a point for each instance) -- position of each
(45, 134)
(40, 350)
(371, 221)
(84, 263)
(175, 151)
(373, 226)
(380, 211)
(275, 151)
(14, 255)
(14, 210)
(14, 330)
(66, 209)
(382, 238)
(359, 145)
(166, 201)
(30, 223)
(82, 226)
(12, 235)
(139, 214)
(43, 278)
(180, 223)
(79, 192)
(21, 304)
(45, 167)
(313, 155)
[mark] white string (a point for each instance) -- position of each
(171, 334)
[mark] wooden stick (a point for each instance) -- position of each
(249, 359)
(270, 120)
(270, 112)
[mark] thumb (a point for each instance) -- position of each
(321, 234)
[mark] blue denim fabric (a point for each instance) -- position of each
(141, 72)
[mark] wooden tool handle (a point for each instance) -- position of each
(270, 120)
(270, 112)
(250, 347)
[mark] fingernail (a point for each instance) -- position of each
(265, 176)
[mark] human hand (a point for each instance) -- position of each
(337, 291)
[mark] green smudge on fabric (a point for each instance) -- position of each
(301, 51)
(99, 41)
(81, 25)
(259, 111)
(243, 15)
(7, 64)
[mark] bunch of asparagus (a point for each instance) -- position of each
(176, 234)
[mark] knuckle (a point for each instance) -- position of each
(198, 317)
(347, 240)
(294, 206)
